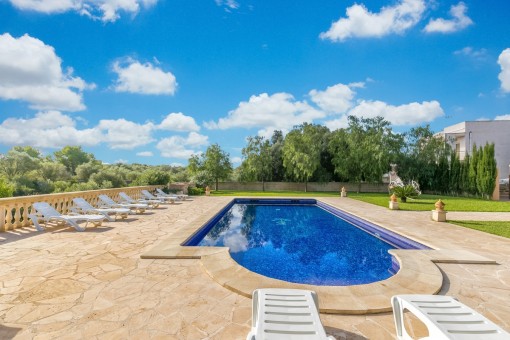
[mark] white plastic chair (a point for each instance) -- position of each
(129, 199)
(45, 212)
(84, 207)
(286, 314)
(137, 207)
(161, 193)
(445, 318)
(162, 199)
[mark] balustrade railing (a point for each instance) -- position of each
(14, 210)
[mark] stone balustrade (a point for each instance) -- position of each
(14, 210)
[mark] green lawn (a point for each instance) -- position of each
(423, 203)
(426, 202)
(500, 228)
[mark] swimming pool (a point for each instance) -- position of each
(303, 241)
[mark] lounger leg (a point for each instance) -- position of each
(77, 226)
(35, 221)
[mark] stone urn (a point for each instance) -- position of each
(343, 192)
(439, 205)
(439, 215)
(393, 202)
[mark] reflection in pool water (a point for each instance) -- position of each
(300, 243)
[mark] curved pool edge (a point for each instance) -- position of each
(417, 275)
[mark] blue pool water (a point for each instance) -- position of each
(300, 241)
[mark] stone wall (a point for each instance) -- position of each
(311, 186)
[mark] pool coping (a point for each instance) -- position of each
(418, 273)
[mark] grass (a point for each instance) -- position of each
(500, 228)
(423, 203)
(426, 202)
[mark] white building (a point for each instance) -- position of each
(464, 135)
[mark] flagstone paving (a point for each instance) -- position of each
(62, 284)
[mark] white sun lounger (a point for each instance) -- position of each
(84, 207)
(445, 318)
(45, 212)
(162, 199)
(161, 193)
(129, 199)
(286, 314)
(137, 207)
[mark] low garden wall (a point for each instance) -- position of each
(14, 210)
(310, 186)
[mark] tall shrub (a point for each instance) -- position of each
(472, 172)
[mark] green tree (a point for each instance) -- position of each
(72, 156)
(85, 170)
(486, 171)
(257, 163)
(6, 188)
(421, 153)
(363, 151)
(51, 171)
(18, 162)
(278, 170)
(302, 151)
(153, 177)
(473, 169)
(455, 174)
(213, 165)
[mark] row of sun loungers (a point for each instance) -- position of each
(109, 210)
(294, 314)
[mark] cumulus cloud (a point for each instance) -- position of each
(32, 72)
(407, 114)
(504, 75)
(362, 23)
(336, 98)
(458, 22)
(134, 77)
(180, 147)
(279, 111)
(145, 154)
(50, 129)
(104, 10)
(178, 122)
(124, 134)
(470, 52)
(503, 117)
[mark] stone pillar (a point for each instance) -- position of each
(207, 191)
(439, 215)
(394, 202)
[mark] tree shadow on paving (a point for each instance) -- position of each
(341, 334)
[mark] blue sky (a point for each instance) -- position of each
(151, 81)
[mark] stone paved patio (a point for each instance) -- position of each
(69, 285)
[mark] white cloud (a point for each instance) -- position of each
(407, 114)
(50, 129)
(123, 134)
(31, 71)
(228, 4)
(503, 117)
(104, 10)
(143, 79)
(178, 122)
(336, 98)
(504, 75)
(180, 147)
(362, 23)
(121, 161)
(145, 154)
(270, 112)
(236, 160)
(339, 123)
(469, 51)
(458, 22)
